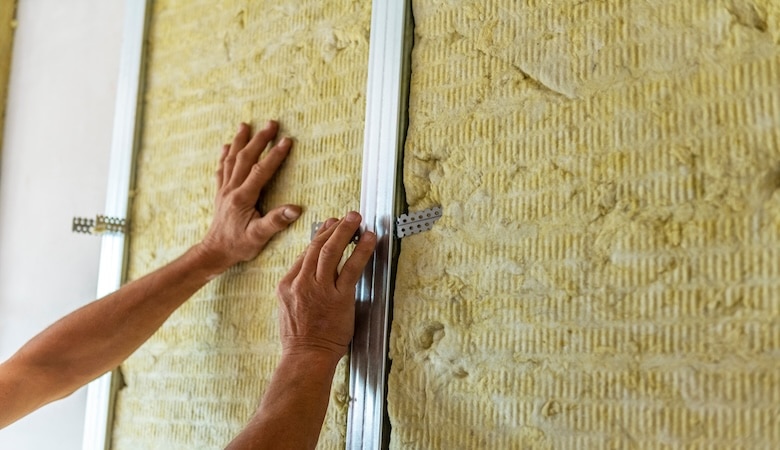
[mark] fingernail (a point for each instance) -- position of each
(291, 213)
(270, 124)
(284, 142)
(241, 126)
(353, 217)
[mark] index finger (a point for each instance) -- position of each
(309, 266)
(296, 267)
(333, 250)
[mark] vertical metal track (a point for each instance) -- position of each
(101, 392)
(381, 200)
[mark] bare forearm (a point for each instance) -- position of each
(293, 408)
(100, 335)
(316, 321)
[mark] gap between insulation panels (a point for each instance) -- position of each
(402, 206)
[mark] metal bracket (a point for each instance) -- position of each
(413, 223)
(405, 224)
(99, 225)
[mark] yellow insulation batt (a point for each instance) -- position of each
(211, 65)
(7, 27)
(606, 273)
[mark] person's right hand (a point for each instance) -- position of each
(317, 303)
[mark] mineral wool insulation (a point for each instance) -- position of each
(606, 273)
(607, 270)
(198, 380)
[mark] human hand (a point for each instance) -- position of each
(239, 231)
(317, 303)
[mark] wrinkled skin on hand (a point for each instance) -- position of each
(239, 231)
(317, 302)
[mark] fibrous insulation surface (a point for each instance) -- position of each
(196, 382)
(7, 26)
(607, 269)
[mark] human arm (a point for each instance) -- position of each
(100, 335)
(317, 319)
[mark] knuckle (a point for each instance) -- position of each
(297, 288)
(243, 157)
(316, 244)
(261, 235)
(330, 251)
(235, 200)
(257, 169)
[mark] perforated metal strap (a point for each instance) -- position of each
(99, 225)
(413, 223)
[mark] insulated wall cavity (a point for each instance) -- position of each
(197, 381)
(607, 269)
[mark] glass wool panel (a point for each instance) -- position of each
(197, 381)
(606, 273)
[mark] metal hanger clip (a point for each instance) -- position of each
(99, 225)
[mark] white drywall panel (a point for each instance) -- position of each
(54, 162)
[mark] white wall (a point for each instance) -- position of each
(53, 166)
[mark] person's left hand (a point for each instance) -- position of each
(239, 231)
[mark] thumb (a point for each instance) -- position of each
(275, 220)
